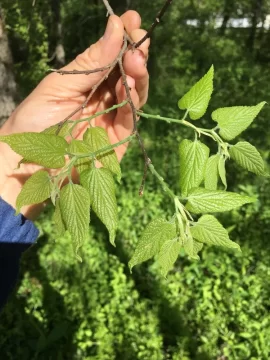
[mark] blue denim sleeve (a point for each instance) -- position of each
(16, 235)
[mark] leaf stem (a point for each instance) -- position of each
(106, 111)
(162, 182)
(210, 133)
(182, 214)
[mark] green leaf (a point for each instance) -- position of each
(222, 170)
(79, 147)
(35, 190)
(193, 158)
(233, 120)
(100, 185)
(211, 172)
(98, 138)
(247, 156)
(75, 210)
(208, 201)
(208, 230)
(58, 221)
(43, 149)
(155, 234)
(196, 100)
(64, 130)
(188, 246)
(168, 255)
(197, 247)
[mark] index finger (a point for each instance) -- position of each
(131, 20)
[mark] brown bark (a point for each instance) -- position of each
(8, 90)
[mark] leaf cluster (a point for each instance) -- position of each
(200, 173)
(201, 176)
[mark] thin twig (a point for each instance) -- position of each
(94, 88)
(127, 89)
(78, 72)
(111, 12)
(108, 7)
(154, 25)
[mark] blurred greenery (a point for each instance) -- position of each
(217, 308)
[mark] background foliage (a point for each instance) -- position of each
(217, 308)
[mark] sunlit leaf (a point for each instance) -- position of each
(75, 210)
(233, 120)
(247, 156)
(97, 138)
(193, 158)
(100, 185)
(78, 147)
(155, 234)
(222, 171)
(211, 172)
(208, 201)
(197, 247)
(43, 149)
(168, 255)
(208, 230)
(58, 221)
(64, 129)
(35, 190)
(196, 100)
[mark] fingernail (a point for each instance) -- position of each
(141, 54)
(109, 30)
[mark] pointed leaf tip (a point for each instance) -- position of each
(75, 211)
(233, 120)
(209, 201)
(35, 190)
(208, 230)
(248, 157)
(43, 149)
(168, 255)
(155, 234)
(196, 100)
(99, 183)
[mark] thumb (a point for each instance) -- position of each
(100, 54)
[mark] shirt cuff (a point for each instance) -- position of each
(15, 229)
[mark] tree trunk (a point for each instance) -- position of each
(255, 18)
(56, 38)
(228, 9)
(8, 91)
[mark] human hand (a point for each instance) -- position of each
(57, 96)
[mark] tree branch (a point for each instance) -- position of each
(94, 88)
(119, 61)
(154, 24)
(78, 72)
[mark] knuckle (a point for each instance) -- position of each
(89, 59)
